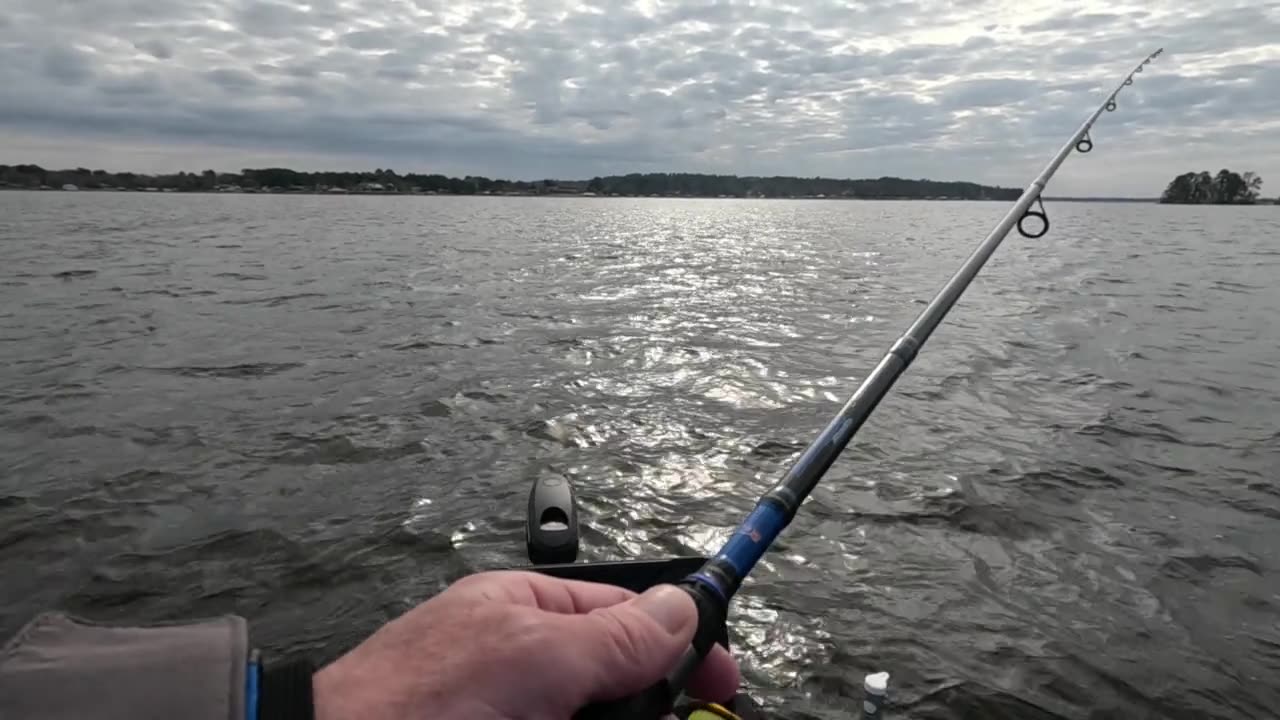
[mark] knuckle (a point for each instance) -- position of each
(628, 643)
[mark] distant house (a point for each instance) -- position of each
(69, 187)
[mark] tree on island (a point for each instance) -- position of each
(1225, 188)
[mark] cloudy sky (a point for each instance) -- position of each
(960, 89)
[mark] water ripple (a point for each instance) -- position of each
(1066, 508)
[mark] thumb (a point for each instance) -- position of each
(627, 647)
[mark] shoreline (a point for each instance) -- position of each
(593, 196)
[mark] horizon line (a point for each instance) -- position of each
(510, 179)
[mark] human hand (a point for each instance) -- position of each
(518, 645)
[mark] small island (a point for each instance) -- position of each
(1225, 188)
(388, 182)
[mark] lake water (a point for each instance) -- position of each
(317, 411)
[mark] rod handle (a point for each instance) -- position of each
(653, 703)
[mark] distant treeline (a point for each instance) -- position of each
(257, 180)
(1225, 188)
(283, 180)
(694, 185)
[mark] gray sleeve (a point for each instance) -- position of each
(59, 667)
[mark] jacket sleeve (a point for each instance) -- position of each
(59, 667)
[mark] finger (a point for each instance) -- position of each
(543, 591)
(575, 596)
(625, 648)
(717, 678)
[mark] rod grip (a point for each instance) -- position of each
(653, 703)
(656, 701)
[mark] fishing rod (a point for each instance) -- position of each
(715, 583)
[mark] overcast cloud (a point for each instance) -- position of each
(960, 89)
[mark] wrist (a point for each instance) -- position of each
(325, 697)
(334, 693)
